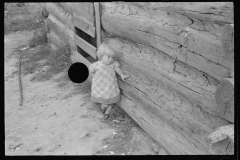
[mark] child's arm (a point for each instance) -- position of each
(119, 71)
(91, 69)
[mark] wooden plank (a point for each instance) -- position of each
(86, 7)
(98, 22)
(62, 30)
(139, 60)
(84, 26)
(66, 7)
(218, 12)
(60, 14)
(91, 50)
(78, 57)
(193, 48)
(83, 16)
(224, 97)
(156, 125)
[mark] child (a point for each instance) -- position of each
(105, 88)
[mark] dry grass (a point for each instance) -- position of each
(42, 57)
(39, 38)
(27, 17)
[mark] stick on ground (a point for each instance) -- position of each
(20, 81)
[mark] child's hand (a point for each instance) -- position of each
(124, 76)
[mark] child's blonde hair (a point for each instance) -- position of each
(104, 49)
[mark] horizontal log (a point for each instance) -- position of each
(59, 28)
(228, 41)
(60, 14)
(86, 7)
(91, 50)
(165, 133)
(201, 50)
(66, 7)
(89, 19)
(84, 26)
(194, 84)
(217, 12)
(224, 97)
(224, 147)
(191, 118)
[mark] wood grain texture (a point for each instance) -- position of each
(60, 14)
(224, 97)
(91, 50)
(83, 15)
(142, 111)
(170, 34)
(84, 26)
(192, 83)
(228, 41)
(86, 7)
(218, 12)
(61, 30)
(66, 7)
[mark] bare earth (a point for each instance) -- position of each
(56, 121)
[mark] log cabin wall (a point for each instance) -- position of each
(177, 54)
(73, 24)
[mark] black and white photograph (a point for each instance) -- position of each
(119, 78)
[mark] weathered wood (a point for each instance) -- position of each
(83, 16)
(66, 7)
(224, 147)
(221, 133)
(91, 50)
(199, 49)
(59, 28)
(77, 57)
(98, 22)
(86, 7)
(192, 83)
(222, 140)
(224, 97)
(60, 14)
(218, 12)
(84, 26)
(228, 42)
(160, 128)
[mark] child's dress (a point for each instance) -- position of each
(104, 88)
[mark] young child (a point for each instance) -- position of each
(105, 88)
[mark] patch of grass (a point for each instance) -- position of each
(27, 17)
(42, 57)
(39, 38)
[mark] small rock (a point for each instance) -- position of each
(17, 148)
(162, 152)
(105, 146)
(114, 133)
(24, 48)
(111, 152)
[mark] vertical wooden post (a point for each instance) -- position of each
(98, 22)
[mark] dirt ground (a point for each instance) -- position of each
(58, 119)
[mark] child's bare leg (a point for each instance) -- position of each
(108, 109)
(103, 107)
